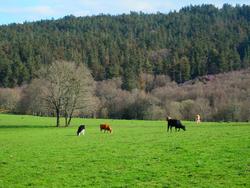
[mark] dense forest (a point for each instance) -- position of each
(195, 41)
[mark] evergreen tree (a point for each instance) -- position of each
(213, 40)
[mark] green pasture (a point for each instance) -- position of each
(33, 153)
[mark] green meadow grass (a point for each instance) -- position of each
(33, 153)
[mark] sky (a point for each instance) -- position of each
(19, 11)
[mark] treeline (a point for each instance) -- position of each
(195, 41)
(222, 97)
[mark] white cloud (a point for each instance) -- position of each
(81, 13)
(139, 6)
(90, 7)
(147, 6)
(41, 10)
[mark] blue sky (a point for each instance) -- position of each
(18, 11)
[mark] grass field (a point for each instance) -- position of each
(33, 153)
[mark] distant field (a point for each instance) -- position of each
(33, 153)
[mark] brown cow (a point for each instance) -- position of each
(105, 127)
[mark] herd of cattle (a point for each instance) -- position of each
(107, 128)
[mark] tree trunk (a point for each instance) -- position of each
(57, 118)
(70, 117)
(66, 120)
(71, 114)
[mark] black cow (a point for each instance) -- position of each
(81, 130)
(175, 123)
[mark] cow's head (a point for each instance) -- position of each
(168, 118)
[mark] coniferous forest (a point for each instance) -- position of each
(195, 41)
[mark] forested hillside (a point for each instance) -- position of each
(195, 41)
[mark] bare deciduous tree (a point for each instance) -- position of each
(9, 98)
(31, 100)
(66, 87)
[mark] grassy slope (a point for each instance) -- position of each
(137, 154)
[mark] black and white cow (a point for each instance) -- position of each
(81, 130)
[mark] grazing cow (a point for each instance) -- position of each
(81, 130)
(175, 123)
(105, 127)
